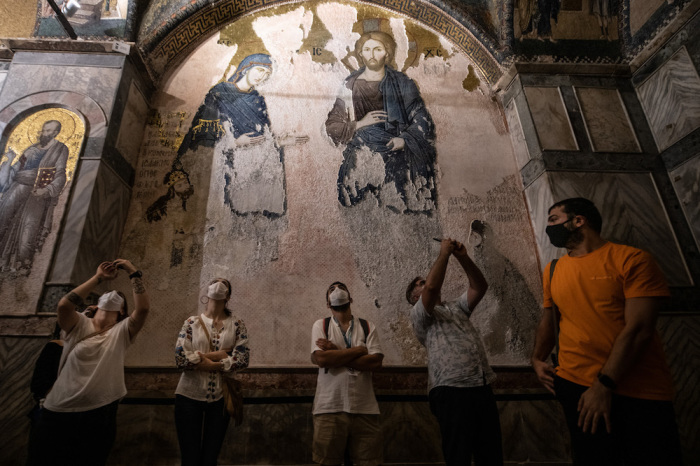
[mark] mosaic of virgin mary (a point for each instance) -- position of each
(254, 178)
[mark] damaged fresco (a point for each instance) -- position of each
(322, 142)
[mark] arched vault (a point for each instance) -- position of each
(170, 31)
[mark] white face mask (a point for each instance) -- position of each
(217, 290)
(338, 297)
(110, 301)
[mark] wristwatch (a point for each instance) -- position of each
(137, 274)
(606, 381)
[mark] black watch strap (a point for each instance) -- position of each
(137, 274)
(606, 381)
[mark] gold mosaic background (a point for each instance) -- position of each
(27, 133)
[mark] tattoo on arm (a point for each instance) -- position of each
(75, 299)
(137, 285)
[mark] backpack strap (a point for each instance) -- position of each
(365, 326)
(326, 324)
(556, 316)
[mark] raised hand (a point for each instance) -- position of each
(106, 271)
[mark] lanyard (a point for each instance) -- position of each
(347, 336)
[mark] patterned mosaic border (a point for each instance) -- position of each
(634, 44)
(187, 34)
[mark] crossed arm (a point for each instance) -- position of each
(354, 358)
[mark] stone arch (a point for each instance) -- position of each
(92, 114)
(169, 41)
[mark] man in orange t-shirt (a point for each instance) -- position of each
(612, 379)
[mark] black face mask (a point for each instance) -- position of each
(558, 234)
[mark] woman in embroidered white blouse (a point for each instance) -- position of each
(210, 346)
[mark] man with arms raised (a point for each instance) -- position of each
(612, 379)
(459, 374)
(346, 413)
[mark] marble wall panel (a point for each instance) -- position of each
(281, 433)
(93, 229)
(551, 120)
(686, 181)
(680, 334)
(607, 122)
(109, 204)
(17, 358)
(539, 198)
(73, 226)
(94, 76)
(522, 155)
(671, 99)
(132, 125)
(632, 214)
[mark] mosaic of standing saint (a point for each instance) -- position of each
(383, 121)
(254, 172)
(30, 189)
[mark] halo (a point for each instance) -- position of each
(65, 117)
(27, 132)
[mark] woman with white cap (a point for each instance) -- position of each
(78, 422)
(210, 346)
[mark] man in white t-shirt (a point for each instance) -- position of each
(346, 413)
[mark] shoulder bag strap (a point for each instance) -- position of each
(365, 326)
(206, 332)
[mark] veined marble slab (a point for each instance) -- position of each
(671, 99)
(551, 120)
(522, 155)
(686, 181)
(632, 214)
(606, 119)
(132, 125)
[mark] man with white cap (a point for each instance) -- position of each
(78, 422)
(346, 413)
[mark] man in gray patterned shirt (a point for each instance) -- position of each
(459, 375)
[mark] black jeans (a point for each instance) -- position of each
(201, 428)
(469, 425)
(75, 439)
(644, 432)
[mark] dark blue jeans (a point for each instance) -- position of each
(74, 439)
(469, 425)
(644, 432)
(201, 428)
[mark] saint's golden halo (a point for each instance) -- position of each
(28, 130)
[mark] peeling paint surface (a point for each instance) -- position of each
(280, 265)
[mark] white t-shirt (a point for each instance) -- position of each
(342, 389)
(92, 373)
